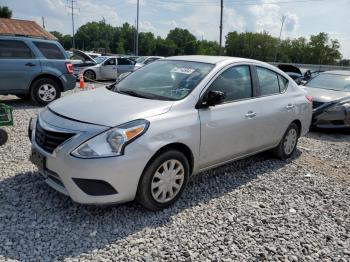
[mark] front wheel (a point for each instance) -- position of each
(163, 180)
(289, 142)
(89, 76)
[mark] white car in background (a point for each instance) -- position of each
(144, 60)
(102, 67)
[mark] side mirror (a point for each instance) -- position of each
(215, 98)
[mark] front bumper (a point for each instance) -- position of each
(325, 119)
(115, 179)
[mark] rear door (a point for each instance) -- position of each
(17, 66)
(277, 106)
(125, 65)
(228, 130)
(109, 69)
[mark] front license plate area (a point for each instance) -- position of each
(38, 159)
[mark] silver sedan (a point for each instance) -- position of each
(145, 136)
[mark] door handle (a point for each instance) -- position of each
(290, 106)
(30, 64)
(250, 114)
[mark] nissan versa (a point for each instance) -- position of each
(143, 137)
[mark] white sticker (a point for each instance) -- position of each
(182, 70)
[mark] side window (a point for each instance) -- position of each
(268, 81)
(124, 61)
(49, 50)
(235, 82)
(283, 83)
(110, 62)
(14, 49)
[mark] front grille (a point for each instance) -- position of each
(316, 104)
(50, 140)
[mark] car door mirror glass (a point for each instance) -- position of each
(215, 98)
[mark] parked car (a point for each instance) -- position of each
(145, 60)
(331, 99)
(299, 75)
(102, 67)
(34, 68)
(175, 117)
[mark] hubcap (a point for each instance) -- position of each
(290, 141)
(47, 92)
(167, 181)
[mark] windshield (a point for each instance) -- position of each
(100, 59)
(164, 80)
(331, 82)
(141, 59)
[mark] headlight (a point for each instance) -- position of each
(338, 108)
(113, 141)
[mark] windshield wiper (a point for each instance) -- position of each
(132, 93)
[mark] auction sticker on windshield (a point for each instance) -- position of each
(182, 70)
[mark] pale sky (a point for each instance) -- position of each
(201, 17)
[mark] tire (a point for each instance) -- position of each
(3, 137)
(44, 91)
(291, 136)
(89, 75)
(148, 187)
(23, 96)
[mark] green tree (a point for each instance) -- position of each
(5, 12)
(165, 47)
(65, 40)
(184, 40)
(147, 44)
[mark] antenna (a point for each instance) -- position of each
(43, 19)
(72, 5)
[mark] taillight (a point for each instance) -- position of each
(309, 98)
(69, 68)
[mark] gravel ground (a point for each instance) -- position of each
(255, 209)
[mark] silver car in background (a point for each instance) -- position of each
(331, 99)
(145, 136)
(145, 60)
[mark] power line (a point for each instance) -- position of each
(236, 2)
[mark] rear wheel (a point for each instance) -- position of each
(289, 142)
(163, 180)
(44, 91)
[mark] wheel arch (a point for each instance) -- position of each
(175, 146)
(52, 77)
(298, 123)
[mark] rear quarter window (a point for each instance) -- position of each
(50, 50)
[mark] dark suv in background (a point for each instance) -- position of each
(34, 68)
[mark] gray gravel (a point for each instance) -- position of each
(255, 209)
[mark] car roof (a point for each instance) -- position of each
(25, 38)
(337, 72)
(209, 59)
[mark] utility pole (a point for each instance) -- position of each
(43, 19)
(221, 14)
(72, 7)
(279, 38)
(137, 29)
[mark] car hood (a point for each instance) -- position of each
(290, 68)
(324, 95)
(107, 108)
(84, 56)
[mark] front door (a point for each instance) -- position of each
(228, 130)
(17, 66)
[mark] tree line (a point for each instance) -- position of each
(105, 38)
(102, 37)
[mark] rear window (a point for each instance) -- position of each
(49, 50)
(14, 49)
